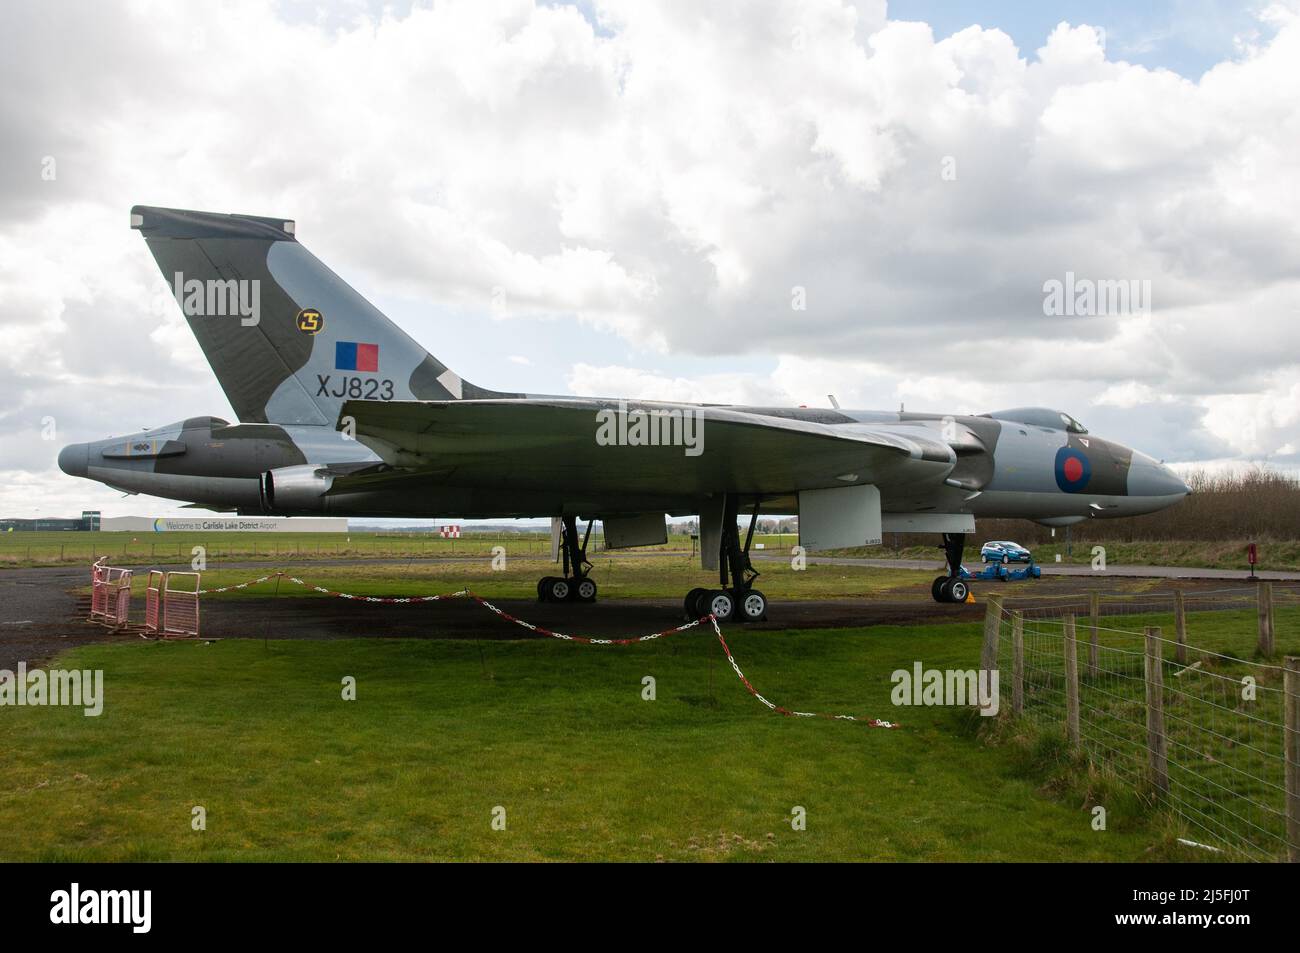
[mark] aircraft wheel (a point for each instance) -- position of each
(691, 604)
(753, 606)
(558, 589)
(721, 604)
(543, 589)
(957, 590)
(586, 589)
(936, 588)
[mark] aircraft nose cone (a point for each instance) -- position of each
(74, 459)
(1147, 477)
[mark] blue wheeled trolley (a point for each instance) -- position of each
(1003, 573)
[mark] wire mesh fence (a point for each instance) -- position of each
(1213, 729)
(1159, 601)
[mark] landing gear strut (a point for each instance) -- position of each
(737, 598)
(576, 585)
(951, 588)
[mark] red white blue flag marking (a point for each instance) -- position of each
(355, 356)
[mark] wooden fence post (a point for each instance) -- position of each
(1071, 683)
(1157, 745)
(1291, 742)
(1094, 609)
(1180, 627)
(992, 627)
(1017, 662)
(1265, 618)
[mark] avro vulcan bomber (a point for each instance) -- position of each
(340, 412)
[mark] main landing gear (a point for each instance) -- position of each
(737, 598)
(951, 588)
(576, 585)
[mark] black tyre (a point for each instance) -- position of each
(691, 604)
(543, 589)
(558, 589)
(936, 587)
(721, 604)
(957, 590)
(753, 606)
(585, 590)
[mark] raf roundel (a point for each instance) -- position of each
(309, 321)
(1073, 470)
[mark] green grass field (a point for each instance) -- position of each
(624, 577)
(557, 734)
(137, 549)
(140, 549)
(442, 732)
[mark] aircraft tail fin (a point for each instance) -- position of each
(288, 339)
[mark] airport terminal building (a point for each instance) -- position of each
(89, 522)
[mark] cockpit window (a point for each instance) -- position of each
(1040, 417)
(1072, 425)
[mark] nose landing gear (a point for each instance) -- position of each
(951, 588)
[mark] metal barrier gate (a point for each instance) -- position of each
(180, 607)
(98, 589)
(119, 598)
(110, 595)
(153, 594)
(171, 600)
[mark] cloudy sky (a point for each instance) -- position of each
(635, 198)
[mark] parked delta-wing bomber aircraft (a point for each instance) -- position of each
(341, 412)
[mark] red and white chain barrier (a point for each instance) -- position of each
(585, 640)
(242, 585)
(579, 638)
(387, 600)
